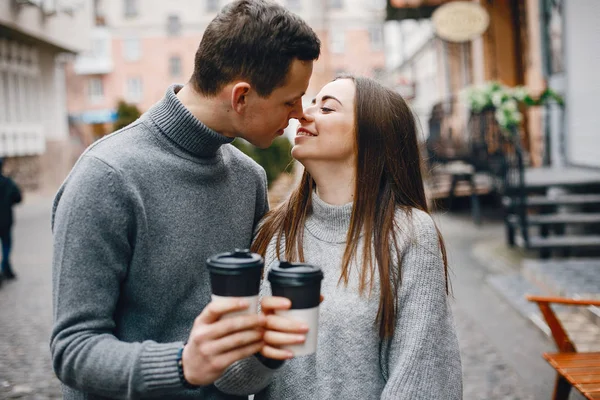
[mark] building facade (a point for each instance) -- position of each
(141, 47)
(36, 39)
(537, 43)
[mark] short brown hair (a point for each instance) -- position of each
(255, 40)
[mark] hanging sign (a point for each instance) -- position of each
(460, 21)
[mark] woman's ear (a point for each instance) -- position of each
(239, 96)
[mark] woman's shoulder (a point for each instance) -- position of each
(415, 220)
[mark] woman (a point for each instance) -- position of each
(360, 213)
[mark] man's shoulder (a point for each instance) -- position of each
(241, 162)
(121, 145)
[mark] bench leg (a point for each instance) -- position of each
(455, 179)
(510, 233)
(561, 388)
(475, 207)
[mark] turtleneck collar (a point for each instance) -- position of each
(179, 125)
(328, 222)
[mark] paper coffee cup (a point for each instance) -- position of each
(236, 274)
(301, 283)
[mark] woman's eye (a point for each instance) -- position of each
(325, 109)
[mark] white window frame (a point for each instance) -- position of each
(132, 48)
(376, 40)
(134, 90)
(95, 90)
(175, 64)
(337, 41)
(130, 8)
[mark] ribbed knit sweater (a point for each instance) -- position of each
(133, 224)
(421, 360)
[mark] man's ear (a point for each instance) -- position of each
(239, 96)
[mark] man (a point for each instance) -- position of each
(145, 207)
(9, 196)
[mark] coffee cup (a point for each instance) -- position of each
(236, 274)
(301, 283)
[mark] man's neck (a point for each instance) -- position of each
(211, 111)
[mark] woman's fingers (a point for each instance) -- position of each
(278, 339)
(285, 324)
(275, 353)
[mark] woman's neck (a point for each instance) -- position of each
(335, 184)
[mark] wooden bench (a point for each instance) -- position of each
(578, 370)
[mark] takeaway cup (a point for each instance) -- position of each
(301, 283)
(236, 274)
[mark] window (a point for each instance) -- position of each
(336, 4)
(294, 5)
(212, 5)
(131, 8)
(173, 25)
(337, 41)
(95, 90)
(134, 90)
(175, 66)
(379, 73)
(376, 37)
(131, 49)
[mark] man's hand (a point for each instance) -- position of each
(215, 344)
(280, 331)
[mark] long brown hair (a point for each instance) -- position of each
(387, 159)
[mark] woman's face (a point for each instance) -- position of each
(326, 130)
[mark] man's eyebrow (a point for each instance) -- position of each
(326, 97)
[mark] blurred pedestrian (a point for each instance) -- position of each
(360, 213)
(144, 208)
(9, 196)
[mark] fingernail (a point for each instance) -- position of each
(300, 338)
(304, 327)
(243, 303)
(289, 354)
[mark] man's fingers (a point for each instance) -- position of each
(216, 309)
(232, 342)
(226, 359)
(284, 324)
(275, 353)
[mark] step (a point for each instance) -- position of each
(568, 277)
(560, 218)
(565, 199)
(564, 242)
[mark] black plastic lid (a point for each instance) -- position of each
(294, 274)
(236, 262)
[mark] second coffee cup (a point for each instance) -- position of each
(236, 274)
(301, 283)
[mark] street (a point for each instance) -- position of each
(501, 351)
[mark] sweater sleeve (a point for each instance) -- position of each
(423, 359)
(93, 225)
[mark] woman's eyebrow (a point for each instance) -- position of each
(326, 97)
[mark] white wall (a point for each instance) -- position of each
(582, 67)
(69, 31)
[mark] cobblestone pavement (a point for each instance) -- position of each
(491, 371)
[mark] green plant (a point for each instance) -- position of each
(126, 114)
(505, 101)
(275, 159)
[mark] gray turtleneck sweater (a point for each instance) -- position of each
(133, 224)
(421, 360)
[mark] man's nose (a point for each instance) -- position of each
(297, 111)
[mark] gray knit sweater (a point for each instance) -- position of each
(421, 360)
(133, 224)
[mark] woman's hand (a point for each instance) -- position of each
(279, 330)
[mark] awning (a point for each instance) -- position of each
(411, 9)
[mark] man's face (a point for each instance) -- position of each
(265, 118)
